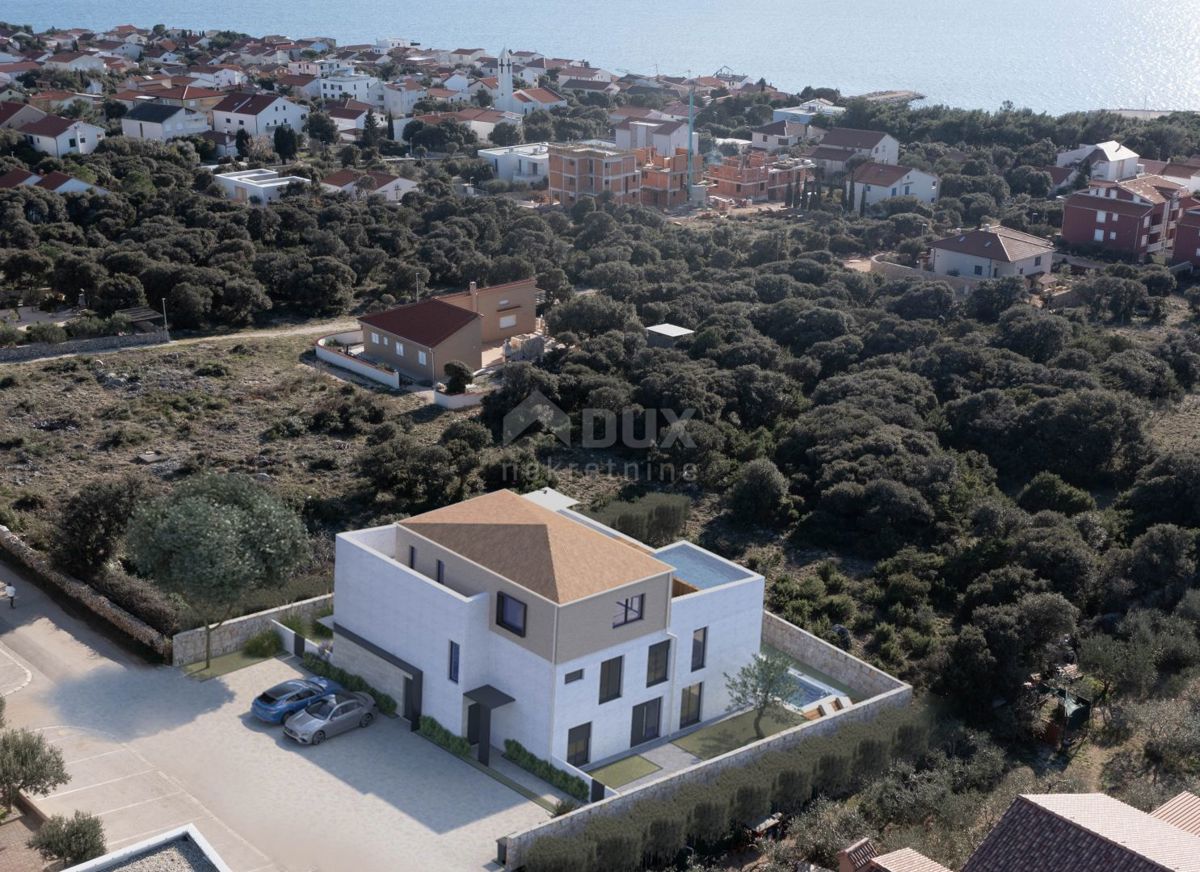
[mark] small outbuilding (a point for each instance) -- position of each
(666, 335)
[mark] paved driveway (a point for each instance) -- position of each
(149, 749)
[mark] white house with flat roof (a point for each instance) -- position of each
(256, 186)
(517, 617)
(529, 162)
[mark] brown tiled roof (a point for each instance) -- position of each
(905, 860)
(8, 109)
(53, 180)
(246, 104)
(831, 152)
(51, 125)
(1084, 832)
(848, 137)
(538, 95)
(17, 178)
(539, 549)
(996, 242)
(1182, 812)
(428, 322)
(871, 173)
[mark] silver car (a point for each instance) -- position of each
(329, 716)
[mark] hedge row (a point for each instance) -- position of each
(431, 729)
(572, 785)
(706, 815)
(383, 702)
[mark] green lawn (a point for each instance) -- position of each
(735, 732)
(222, 665)
(617, 775)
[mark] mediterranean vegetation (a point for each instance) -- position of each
(967, 493)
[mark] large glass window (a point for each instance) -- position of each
(629, 610)
(646, 717)
(699, 648)
(510, 614)
(656, 663)
(579, 745)
(689, 709)
(610, 679)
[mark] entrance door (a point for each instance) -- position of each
(473, 723)
(646, 719)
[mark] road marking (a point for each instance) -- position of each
(97, 756)
(98, 784)
(142, 802)
(27, 675)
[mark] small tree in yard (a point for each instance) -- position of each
(214, 540)
(29, 763)
(762, 685)
(73, 840)
(91, 523)
(458, 376)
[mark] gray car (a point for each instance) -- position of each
(329, 716)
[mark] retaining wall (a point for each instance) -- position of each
(885, 692)
(188, 646)
(961, 284)
(351, 363)
(88, 597)
(864, 679)
(288, 637)
(38, 350)
(458, 401)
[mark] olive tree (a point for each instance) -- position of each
(214, 540)
(762, 685)
(30, 764)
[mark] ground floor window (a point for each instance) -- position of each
(646, 718)
(579, 745)
(689, 709)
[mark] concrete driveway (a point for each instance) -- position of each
(149, 749)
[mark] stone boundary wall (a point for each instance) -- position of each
(861, 677)
(39, 350)
(348, 362)
(88, 597)
(879, 690)
(961, 284)
(188, 646)
(513, 846)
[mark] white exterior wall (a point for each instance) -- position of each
(365, 89)
(280, 112)
(887, 152)
(917, 184)
(80, 138)
(526, 163)
(183, 123)
(955, 263)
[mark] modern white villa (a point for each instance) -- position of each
(517, 617)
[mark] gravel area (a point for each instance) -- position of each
(181, 855)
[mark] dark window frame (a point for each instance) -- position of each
(455, 657)
(573, 757)
(501, 599)
(573, 676)
(699, 648)
(652, 677)
(684, 720)
(630, 609)
(606, 679)
(441, 572)
(643, 708)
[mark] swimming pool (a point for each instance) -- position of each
(808, 690)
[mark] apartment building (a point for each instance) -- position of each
(529, 162)
(1134, 217)
(1187, 235)
(516, 617)
(590, 168)
(757, 176)
(664, 183)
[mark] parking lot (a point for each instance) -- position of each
(149, 749)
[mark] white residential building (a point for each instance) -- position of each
(872, 183)
(515, 617)
(360, 183)
(401, 97)
(1109, 161)
(257, 114)
(663, 136)
(992, 252)
(529, 162)
(160, 122)
(58, 136)
(256, 186)
(364, 89)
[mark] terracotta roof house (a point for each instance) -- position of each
(55, 181)
(257, 114)
(990, 252)
(419, 339)
(359, 184)
(872, 183)
(1109, 161)
(873, 144)
(13, 114)
(1083, 833)
(57, 136)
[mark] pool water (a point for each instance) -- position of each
(807, 690)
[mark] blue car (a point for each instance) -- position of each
(275, 705)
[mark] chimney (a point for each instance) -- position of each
(857, 857)
(474, 291)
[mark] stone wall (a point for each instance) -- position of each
(864, 679)
(39, 350)
(356, 365)
(962, 285)
(39, 566)
(514, 846)
(188, 646)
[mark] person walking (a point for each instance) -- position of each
(11, 593)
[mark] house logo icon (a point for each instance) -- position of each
(537, 409)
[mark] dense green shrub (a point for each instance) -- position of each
(655, 519)
(572, 785)
(618, 844)
(73, 840)
(439, 735)
(263, 644)
(383, 702)
(665, 836)
(561, 855)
